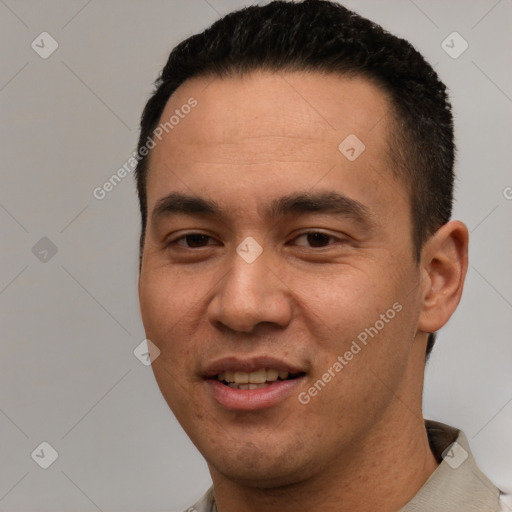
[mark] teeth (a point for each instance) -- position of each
(272, 374)
(241, 377)
(234, 385)
(258, 377)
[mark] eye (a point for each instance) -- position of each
(191, 240)
(312, 239)
(315, 239)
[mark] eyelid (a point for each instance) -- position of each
(315, 231)
(173, 240)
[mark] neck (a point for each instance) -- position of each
(384, 472)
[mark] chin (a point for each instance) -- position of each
(261, 467)
(261, 477)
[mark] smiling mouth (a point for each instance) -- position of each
(261, 378)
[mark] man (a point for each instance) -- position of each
(297, 257)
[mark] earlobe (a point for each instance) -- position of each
(444, 261)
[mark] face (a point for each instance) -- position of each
(276, 258)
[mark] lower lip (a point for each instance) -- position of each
(252, 399)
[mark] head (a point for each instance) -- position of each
(347, 255)
(422, 140)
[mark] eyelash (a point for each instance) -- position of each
(183, 237)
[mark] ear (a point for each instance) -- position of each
(444, 263)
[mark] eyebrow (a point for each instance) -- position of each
(299, 203)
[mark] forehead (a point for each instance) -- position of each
(271, 131)
(311, 105)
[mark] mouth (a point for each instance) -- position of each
(258, 379)
(249, 385)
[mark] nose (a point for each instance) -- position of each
(250, 295)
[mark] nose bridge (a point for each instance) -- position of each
(250, 293)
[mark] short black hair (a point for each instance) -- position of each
(324, 36)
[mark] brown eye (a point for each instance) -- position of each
(315, 239)
(193, 240)
(318, 239)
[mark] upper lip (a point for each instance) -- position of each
(237, 364)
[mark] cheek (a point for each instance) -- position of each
(366, 317)
(359, 369)
(172, 308)
(164, 312)
(166, 299)
(342, 299)
(156, 305)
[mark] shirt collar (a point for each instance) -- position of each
(457, 483)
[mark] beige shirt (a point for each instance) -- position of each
(457, 485)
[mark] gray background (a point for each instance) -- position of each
(69, 324)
